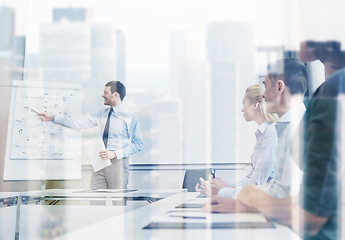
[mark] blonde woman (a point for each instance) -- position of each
(263, 158)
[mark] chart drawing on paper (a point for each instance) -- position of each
(36, 139)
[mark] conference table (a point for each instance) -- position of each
(54, 196)
(48, 214)
(170, 218)
(167, 214)
(8, 214)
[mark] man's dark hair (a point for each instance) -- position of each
(117, 86)
(292, 71)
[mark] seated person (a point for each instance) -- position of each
(263, 158)
(318, 213)
(285, 86)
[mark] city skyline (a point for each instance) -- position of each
(147, 28)
(230, 46)
(148, 24)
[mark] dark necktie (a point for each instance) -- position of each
(106, 129)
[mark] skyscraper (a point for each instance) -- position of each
(74, 50)
(184, 48)
(7, 28)
(189, 81)
(121, 56)
(103, 60)
(71, 14)
(168, 128)
(65, 51)
(230, 51)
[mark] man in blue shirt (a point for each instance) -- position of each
(121, 134)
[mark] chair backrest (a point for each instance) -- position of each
(192, 176)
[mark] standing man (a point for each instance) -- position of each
(121, 133)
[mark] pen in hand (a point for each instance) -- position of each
(213, 172)
(39, 114)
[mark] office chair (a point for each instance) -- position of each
(191, 177)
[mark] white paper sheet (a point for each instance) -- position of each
(199, 216)
(93, 147)
(197, 200)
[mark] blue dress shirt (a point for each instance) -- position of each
(288, 176)
(124, 137)
(263, 158)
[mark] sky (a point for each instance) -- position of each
(147, 24)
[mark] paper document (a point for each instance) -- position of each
(93, 147)
(214, 217)
(197, 201)
(199, 216)
(106, 191)
(194, 219)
